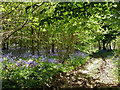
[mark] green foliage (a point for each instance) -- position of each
(61, 26)
(38, 75)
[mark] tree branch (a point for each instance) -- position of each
(19, 28)
(9, 12)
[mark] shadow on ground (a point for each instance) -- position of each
(103, 53)
(77, 80)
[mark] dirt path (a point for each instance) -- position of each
(95, 73)
(105, 71)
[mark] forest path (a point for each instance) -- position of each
(102, 69)
(95, 73)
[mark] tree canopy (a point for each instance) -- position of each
(58, 25)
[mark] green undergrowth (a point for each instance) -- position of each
(37, 76)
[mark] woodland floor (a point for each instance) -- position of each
(96, 73)
(100, 72)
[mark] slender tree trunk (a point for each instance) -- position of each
(7, 45)
(10, 45)
(60, 52)
(99, 45)
(38, 42)
(53, 45)
(58, 49)
(32, 31)
(110, 46)
(3, 46)
(53, 48)
(21, 40)
(27, 44)
(104, 48)
(47, 44)
(48, 48)
(114, 44)
(72, 41)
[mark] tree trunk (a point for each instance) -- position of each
(38, 42)
(104, 48)
(15, 44)
(3, 46)
(53, 44)
(99, 45)
(48, 49)
(32, 31)
(110, 46)
(72, 41)
(21, 40)
(27, 45)
(114, 44)
(53, 48)
(7, 45)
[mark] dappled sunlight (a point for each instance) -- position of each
(105, 73)
(94, 65)
(59, 45)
